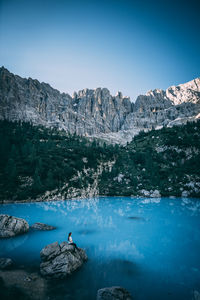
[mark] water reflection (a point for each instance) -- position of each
(125, 248)
(10, 244)
(193, 206)
(151, 200)
(86, 231)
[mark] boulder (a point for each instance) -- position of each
(5, 263)
(41, 226)
(155, 194)
(58, 261)
(11, 226)
(113, 293)
(185, 194)
(151, 193)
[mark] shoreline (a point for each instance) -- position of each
(84, 198)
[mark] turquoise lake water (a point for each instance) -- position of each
(149, 246)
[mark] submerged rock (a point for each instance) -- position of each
(58, 261)
(42, 226)
(22, 284)
(136, 218)
(113, 293)
(5, 263)
(11, 226)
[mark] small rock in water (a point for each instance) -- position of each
(113, 293)
(11, 226)
(5, 263)
(58, 261)
(135, 218)
(41, 226)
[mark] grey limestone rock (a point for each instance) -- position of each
(88, 112)
(58, 261)
(113, 293)
(11, 226)
(42, 226)
(96, 113)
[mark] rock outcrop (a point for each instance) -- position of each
(151, 193)
(113, 293)
(42, 226)
(5, 263)
(96, 113)
(58, 261)
(11, 226)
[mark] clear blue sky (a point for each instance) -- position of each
(130, 46)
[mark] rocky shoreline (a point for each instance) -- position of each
(82, 198)
(78, 198)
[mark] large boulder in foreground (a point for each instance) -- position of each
(113, 293)
(11, 226)
(42, 226)
(58, 261)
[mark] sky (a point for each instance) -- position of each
(127, 46)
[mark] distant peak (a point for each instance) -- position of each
(91, 92)
(153, 92)
(119, 94)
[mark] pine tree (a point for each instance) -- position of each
(49, 180)
(37, 184)
(11, 172)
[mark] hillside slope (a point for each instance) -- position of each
(162, 162)
(43, 164)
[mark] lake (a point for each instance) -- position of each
(149, 246)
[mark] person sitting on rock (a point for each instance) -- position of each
(70, 241)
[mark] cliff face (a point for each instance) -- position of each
(166, 108)
(88, 112)
(96, 112)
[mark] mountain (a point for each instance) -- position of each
(40, 164)
(96, 113)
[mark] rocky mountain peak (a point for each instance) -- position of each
(3, 70)
(95, 112)
(154, 92)
(187, 92)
